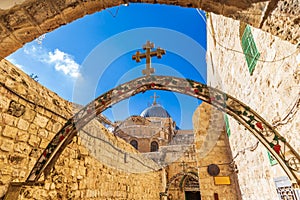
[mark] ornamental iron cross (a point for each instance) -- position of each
(138, 56)
(155, 97)
(183, 165)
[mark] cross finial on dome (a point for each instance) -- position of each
(154, 98)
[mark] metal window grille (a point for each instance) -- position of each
(287, 193)
(249, 48)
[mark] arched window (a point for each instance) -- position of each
(134, 143)
(154, 146)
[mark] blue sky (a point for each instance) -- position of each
(91, 55)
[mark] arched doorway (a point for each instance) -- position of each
(191, 187)
(184, 185)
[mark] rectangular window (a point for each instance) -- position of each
(227, 125)
(249, 49)
(273, 161)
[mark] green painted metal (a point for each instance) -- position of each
(227, 125)
(250, 49)
(271, 159)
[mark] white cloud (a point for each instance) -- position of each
(31, 50)
(63, 62)
(60, 60)
(14, 62)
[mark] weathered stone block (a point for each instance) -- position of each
(10, 132)
(83, 151)
(49, 125)
(43, 133)
(44, 143)
(34, 140)
(23, 124)
(56, 127)
(7, 145)
(9, 119)
(41, 120)
(74, 186)
(32, 129)
(29, 115)
(22, 147)
(22, 136)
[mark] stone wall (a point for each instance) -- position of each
(185, 163)
(272, 91)
(29, 118)
(212, 147)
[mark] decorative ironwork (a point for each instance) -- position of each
(155, 97)
(287, 193)
(294, 163)
(181, 176)
(16, 109)
(282, 151)
(190, 184)
(138, 56)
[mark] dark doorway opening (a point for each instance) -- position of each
(191, 195)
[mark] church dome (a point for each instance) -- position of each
(155, 110)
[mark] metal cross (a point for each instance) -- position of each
(183, 165)
(154, 98)
(148, 54)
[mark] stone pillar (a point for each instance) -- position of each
(212, 147)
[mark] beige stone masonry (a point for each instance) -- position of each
(272, 91)
(78, 173)
(212, 147)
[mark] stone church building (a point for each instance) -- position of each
(157, 137)
(252, 54)
(148, 131)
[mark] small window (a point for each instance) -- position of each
(154, 146)
(134, 143)
(249, 49)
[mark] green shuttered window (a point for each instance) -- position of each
(249, 49)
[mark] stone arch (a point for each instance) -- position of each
(182, 176)
(287, 157)
(36, 18)
(184, 182)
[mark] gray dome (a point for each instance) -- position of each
(155, 111)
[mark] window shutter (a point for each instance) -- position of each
(249, 48)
